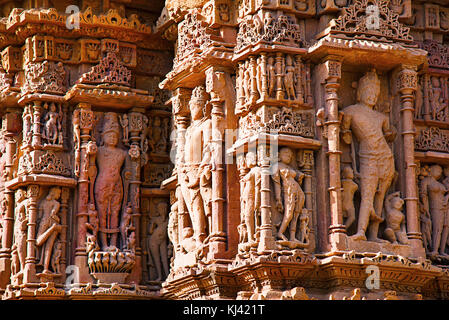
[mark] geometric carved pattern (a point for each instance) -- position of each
(110, 70)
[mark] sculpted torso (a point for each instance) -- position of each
(368, 126)
(196, 138)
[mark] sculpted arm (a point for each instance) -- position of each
(389, 131)
(277, 190)
(346, 128)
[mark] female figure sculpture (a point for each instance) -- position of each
(432, 194)
(288, 180)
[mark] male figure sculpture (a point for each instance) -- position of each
(109, 186)
(198, 137)
(372, 130)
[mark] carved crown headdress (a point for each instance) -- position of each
(111, 123)
(200, 94)
(369, 81)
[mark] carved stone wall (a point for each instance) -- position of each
(217, 149)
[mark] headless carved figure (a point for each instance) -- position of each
(372, 130)
(109, 186)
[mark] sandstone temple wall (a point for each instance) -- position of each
(218, 149)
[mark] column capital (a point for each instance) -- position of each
(332, 65)
(407, 79)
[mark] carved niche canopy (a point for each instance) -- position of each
(110, 70)
(370, 20)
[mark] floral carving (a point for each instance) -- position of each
(433, 139)
(371, 20)
(45, 77)
(281, 30)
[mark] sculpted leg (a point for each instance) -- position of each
(368, 189)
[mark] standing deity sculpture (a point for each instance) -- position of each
(157, 240)
(49, 226)
(194, 180)
(109, 184)
(290, 79)
(27, 125)
(250, 198)
(20, 230)
(373, 132)
(287, 186)
(53, 125)
(439, 107)
(432, 196)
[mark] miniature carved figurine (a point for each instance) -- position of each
(93, 223)
(372, 130)
(288, 180)
(439, 107)
(126, 226)
(56, 259)
(290, 79)
(173, 233)
(432, 194)
(304, 226)
(27, 125)
(124, 122)
(395, 230)
(49, 226)
(198, 136)
(77, 141)
(109, 185)
(250, 198)
(20, 228)
(157, 242)
(349, 188)
(53, 125)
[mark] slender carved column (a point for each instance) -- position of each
(86, 125)
(11, 126)
(135, 128)
(30, 261)
(337, 229)
(37, 135)
(63, 236)
(180, 102)
(279, 75)
(307, 169)
(264, 75)
(299, 82)
(214, 81)
(407, 83)
(266, 241)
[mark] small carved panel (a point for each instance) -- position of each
(268, 78)
(269, 28)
